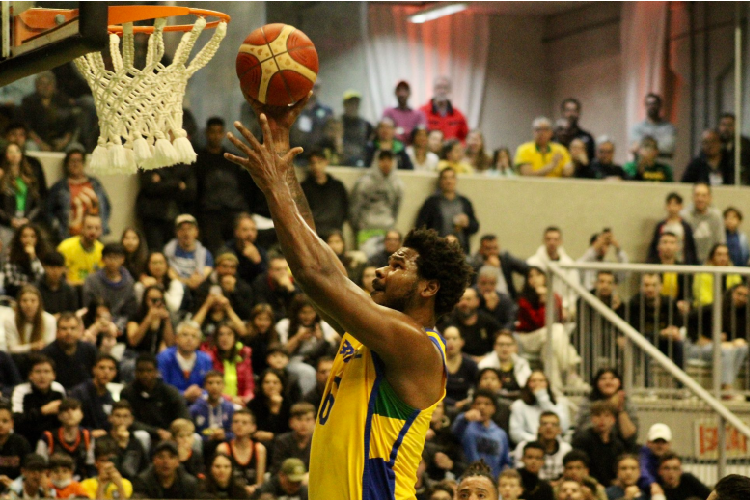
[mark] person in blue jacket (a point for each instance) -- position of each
(212, 413)
(183, 365)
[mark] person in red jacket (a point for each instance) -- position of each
(442, 115)
(532, 302)
(232, 359)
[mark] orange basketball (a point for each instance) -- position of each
(277, 64)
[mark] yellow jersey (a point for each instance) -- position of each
(529, 153)
(367, 443)
(79, 261)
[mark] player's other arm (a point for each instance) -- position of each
(410, 357)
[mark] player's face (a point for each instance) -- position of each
(397, 283)
(628, 471)
(476, 488)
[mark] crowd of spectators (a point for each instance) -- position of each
(181, 359)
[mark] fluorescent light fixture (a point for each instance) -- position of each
(436, 11)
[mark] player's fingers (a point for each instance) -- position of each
(299, 105)
(242, 162)
(241, 145)
(292, 154)
(249, 137)
(267, 136)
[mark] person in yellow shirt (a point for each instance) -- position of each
(703, 285)
(452, 155)
(542, 157)
(83, 253)
(108, 483)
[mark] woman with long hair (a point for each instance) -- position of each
(270, 406)
(20, 202)
(232, 359)
(136, 251)
(31, 328)
(221, 481)
(532, 302)
(353, 262)
(261, 333)
(607, 386)
(536, 398)
(157, 272)
(476, 155)
(24, 261)
(150, 330)
(502, 164)
(421, 157)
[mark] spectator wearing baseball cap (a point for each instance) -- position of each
(165, 478)
(405, 118)
(186, 255)
(659, 442)
(32, 480)
(289, 482)
(357, 130)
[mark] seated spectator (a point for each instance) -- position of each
(385, 140)
(186, 255)
(221, 481)
(232, 361)
(478, 481)
(97, 321)
(706, 222)
(212, 413)
(534, 487)
(703, 283)
(17, 133)
(247, 454)
(551, 250)
(501, 306)
(375, 199)
(108, 483)
(297, 443)
(443, 454)
(580, 159)
(13, 446)
(435, 139)
(475, 153)
(739, 250)
(74, 359)
(726, 129)
(712, 165)
(157, 272)
(646, 167)
(601, 440)
(277, 358)
(576, 465)
(603, 247)
(31, 328)
(70, 438)
(603, 166)
(114, 283)
(48, 114)
(325, 194)
(353, 261)
(490, 254)
(165, 478)
(657, 317)
(452, 157)
(441, 113)
(555, 449)
(155, 403)
(481, 438)
(658, 444)
(216, 310)
(183, 365)
(83, 253)
(260, 333)
(276, 286)
(331, 142)
(252, 257)
(231, 286)
(674, 286)
(391, 243)
(95, 397)
(536, 398)
(271, 406)
(322, 372)
(36, 403)
(135, 251)
(33, 480)
(9, 376)
(678, 485)
(407, 120)
(682, 231)
(150, 329)
(57, 295)
(629, 482)
(513, 370)
(735, 313)
(74, 197)
(127, 452)
(606, 385)
(542, 157)
(490, 380)
(501, 165)
(421, 157)
(20, 202)
(357, 130)
(462, 370)
(448, 212)
(509, 485)
(24, 265)
(61, 481)
(191, 458)
(477, 328)
(288, 483)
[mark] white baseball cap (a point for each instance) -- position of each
(660, 431)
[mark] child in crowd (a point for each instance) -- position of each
(129, 454)
(739, 250)
(12, 448)
(249, 456)
(61, 481)
(295, 444)
(629, 483)
(70, 438)
(212, 414)
(108, 484)
(576, 468)
(509, 485)
(481, 438)
(191, 459)
(534, 488)
(33, 479)
(490, 379)
(37, 402)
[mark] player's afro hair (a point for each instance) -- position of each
(442, 260)
(479, 469)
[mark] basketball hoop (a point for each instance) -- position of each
(140, 110)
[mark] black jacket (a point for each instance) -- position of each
(689, 252)
(27, 410)
(698, 170)
(164, 200)
(431, 217)
(94, 415)
(72, 370)
(329, 203)
(146, 485)
(9, 376)
(156, 409)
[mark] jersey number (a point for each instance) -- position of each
(325, 409)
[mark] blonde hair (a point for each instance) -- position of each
(181, 425)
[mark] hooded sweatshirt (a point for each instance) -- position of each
(119, 294)
(375, 200)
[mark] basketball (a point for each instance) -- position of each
(277, 64)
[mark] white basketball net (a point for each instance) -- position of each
(138, 109)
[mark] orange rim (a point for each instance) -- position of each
(119, 15)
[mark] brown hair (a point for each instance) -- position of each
(602, 407)
(301, 409)
(36, 322)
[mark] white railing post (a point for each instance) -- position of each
(549, 321)
(716, 325)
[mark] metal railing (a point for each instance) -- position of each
(637, 353)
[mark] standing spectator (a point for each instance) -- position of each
(601, 441)
(48, 114)
(95, 397)
(448, 212)
(603, 165)
(571, 112)
(406, 119)
(536, 398)
(676, 225)
(462, 370)
(307, 131)
(476, 155)
(31, 328)
(477, 328)
(654, 126)
(514, 370)
(186, 255)
(542, 157)
(490, 254)
(606, 385)
(74, 359)
(232, 360)
(136, 252)
(442, 115)
(552, 250)
(375, 199)
(385, 140)
(452, 156)
(534, 487)
(113, 283)
(550, 437)
(212, 414)
(645, 167)
(165, 478)
(705, 221)
(220, 187)
(20, 202)
(164, 194)
(297, 443)
(183, 365)
(83, 253)
(678, 485)
(500, 306)
(276, 286)
(739, 250)
(711, 165)
(357, 130)
(325, 194)
(726, 132)
(421, 157)
(24, 265)
(157, 272)
(603, 247)
(17, 133)
(74, 197)
(37, 402)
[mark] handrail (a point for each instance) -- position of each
(655, 268)
(639, 340)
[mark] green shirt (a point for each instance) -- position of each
(22, 191)
(658, 172)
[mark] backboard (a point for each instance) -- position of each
(35, 40)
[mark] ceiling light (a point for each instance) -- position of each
(436, 11)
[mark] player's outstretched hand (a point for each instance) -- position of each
(267, 166)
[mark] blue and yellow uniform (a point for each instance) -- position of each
(367, 443)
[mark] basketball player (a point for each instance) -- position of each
(389, 373)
